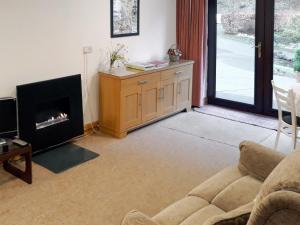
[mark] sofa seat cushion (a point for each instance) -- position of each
(176, 213)
(239, 193)
(199, 217)
(216, 184)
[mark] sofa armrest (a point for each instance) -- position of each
(137, 218)
(281, 207)
(258, 160)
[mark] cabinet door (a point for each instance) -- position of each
(131, 107)
(168, 96)
(184, 89)
(150, 102)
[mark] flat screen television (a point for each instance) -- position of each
(8, 118)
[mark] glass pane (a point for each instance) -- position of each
(235, 50)
(286, 41)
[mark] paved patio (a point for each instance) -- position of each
(235, 70)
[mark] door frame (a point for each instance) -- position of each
(263, 71)
(269, 58)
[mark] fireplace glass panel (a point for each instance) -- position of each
(52, 112)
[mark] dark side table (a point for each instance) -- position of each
(14, 151)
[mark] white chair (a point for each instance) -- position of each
(288, 120)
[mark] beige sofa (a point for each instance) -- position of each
(263, 189)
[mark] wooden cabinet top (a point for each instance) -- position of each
(125, 73)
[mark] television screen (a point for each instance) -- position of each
(8, 117)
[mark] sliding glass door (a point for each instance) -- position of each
(235, 57)
(286, 40)
(235, 53)
(250, 43)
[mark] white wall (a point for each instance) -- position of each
(43, 39)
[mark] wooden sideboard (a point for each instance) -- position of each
(130, 98)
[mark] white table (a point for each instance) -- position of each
(296, 89)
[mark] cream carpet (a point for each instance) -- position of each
(148, 170)
(216, 129)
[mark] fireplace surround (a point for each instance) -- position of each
(50, 112)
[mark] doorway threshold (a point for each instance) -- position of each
(238, 116)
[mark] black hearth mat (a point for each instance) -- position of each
(64, 157)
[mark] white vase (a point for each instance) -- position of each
(297, 75)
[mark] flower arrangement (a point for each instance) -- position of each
(117, 54)
(174, 54)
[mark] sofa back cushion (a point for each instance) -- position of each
(257, 160)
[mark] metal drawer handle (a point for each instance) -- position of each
(179, 89)
(142, 82)
(178, 72)
(140, 99)
(162, 93)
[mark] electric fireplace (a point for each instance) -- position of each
(50, 112)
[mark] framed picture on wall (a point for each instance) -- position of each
(125, 18)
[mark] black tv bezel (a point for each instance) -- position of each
(11, 133)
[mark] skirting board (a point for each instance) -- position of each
(88, 127)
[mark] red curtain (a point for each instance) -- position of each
(183, 26)
(191, 40)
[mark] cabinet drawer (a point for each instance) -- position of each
(186, 71)
(141, 80)
(180, 71)
(168, 74)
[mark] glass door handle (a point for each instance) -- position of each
(259, 49)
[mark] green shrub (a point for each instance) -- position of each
(288, 33)
(297, 61)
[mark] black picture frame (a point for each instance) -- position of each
(112, 22)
